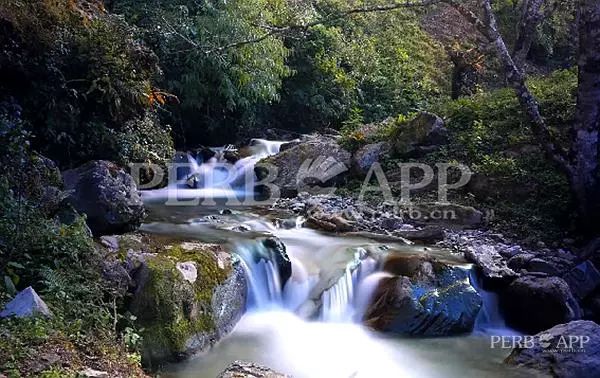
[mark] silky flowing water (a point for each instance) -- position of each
(311, 327)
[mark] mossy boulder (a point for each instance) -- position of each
(187, 295)
(423, 134)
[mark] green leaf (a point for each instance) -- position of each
(9, 285)
(15, 265)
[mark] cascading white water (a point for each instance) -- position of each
(216, 178)
(341, 301)
(489, 319)
(264, 284)
(310, 327)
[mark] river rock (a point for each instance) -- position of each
(493, 266)
(425, 133)
(532, 304)
(550, 354)
(424, 297)
(181, 315)
(240, 369)
(306, 166)
(107, 195)
(366, 156)
(26, 304)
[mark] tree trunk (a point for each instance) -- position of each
(585, 150)
(530, 19)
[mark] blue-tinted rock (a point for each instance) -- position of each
(26, 304)
(437, 300)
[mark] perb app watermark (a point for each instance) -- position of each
(548, 342)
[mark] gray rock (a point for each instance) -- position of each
(307, 166)
(520, 261)
(583, 279)
(446, 214)
(366, 156)
(26, 304)
(550, 355)
(495, 271)
(425, 133)
(532, 304)
(427, 235)
(107, 195)
(540, 265)
(240, 369)
(437, 300)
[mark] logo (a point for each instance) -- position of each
(545, 340)
(314, 172)
(548, 342)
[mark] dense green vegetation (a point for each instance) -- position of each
(48, 246)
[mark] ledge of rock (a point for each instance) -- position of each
(307, 166)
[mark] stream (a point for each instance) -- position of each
(311, 327)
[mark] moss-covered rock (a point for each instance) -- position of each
(423, 134)
(187, 294)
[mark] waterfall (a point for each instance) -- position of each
(489, 319)
(347, 299)
(262, 275)
(215, 178)
(334, 296)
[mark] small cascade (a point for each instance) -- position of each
(262, 274)
(216, 177)
(489, 319)
(347, 299)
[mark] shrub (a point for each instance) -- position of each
(78, 73)
(490, 133)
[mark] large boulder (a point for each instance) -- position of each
(533, 303)
(187, 295)
(107, 195)
(307, 166)
(423, 297)
(26, 304)
(240, 369)
(425, 133)
(570, 350)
